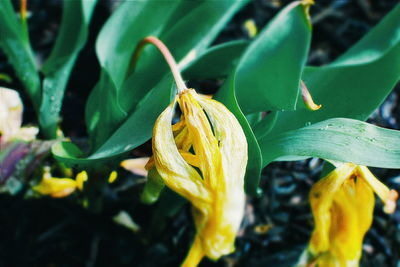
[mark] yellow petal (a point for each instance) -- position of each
(55, 187)
(195, 255)
(222, 150)
(81, 178)
(388, 196)
(216, 191)
(321, 198)
(205, 145)
(177, 174)
(113, 176)
(351, 213)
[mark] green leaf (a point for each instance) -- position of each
(14, 44)
(186, 38)
(225, 54)
(338, 139)
(283, 47)
(57, 69)
(355, 84)
(268, 74)
(138, 128)
(226, 95)
(130, 23)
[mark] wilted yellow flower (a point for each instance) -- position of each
(342, 204)
(203, 158)
(59, 187)
(11, 109)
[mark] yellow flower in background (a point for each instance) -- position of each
(342, 204)
(63, 187)
(11, 109)
(203, 158)
(60, 187)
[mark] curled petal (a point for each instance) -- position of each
(209, 138)
(307, 98)
(388, 196)
(222, 150)
(205, 145)
(176, 172)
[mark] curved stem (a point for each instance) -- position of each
(23, 15)
(180, 84)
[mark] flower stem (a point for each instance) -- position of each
(23, 15)
(180, 84)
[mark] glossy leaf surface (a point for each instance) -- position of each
(338, 139)
(355, 84)
(268, 74)
(57, 69)
(14, 44)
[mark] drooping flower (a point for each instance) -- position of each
(203, 158)
(11, 109)
(342, 204)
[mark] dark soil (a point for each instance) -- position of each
(277, 226)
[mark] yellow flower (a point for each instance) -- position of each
(203, 158)
(59, 187)
(342, 204)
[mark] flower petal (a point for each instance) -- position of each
(321, 198)
(55, 187)
(205, 145)
(230, 196)
(388, 196)
(175, 171)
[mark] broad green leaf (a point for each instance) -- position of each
(268, 74)
(131, 22)
(267, 77)
(16, 47)
(216, 62)
(338, 139)
(226, 95)
(187, 38)
(355, 84)
(138, 128)
(133, 132)
(57, 69)
(100, 110)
